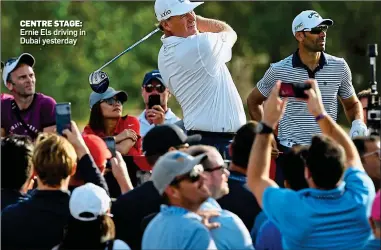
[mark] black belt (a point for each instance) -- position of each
(228, 135)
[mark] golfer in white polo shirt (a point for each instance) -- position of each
(192, 62)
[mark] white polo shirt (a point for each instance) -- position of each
(194, 69)
(145, 126)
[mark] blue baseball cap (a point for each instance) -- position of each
(110, 92)
(154, 74)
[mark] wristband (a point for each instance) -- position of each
(319, 117)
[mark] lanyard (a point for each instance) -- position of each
(238, 178)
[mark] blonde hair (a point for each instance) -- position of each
(53, 159)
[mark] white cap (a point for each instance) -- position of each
(11, 64)
(165, 9)
(89, 198)
(307, 20)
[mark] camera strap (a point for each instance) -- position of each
(16, 110)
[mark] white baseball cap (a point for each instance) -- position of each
(307, 20)
(89, 198)
(12, 63)
(165, 9)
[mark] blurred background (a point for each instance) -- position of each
(264, 36)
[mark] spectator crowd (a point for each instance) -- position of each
(289, 178)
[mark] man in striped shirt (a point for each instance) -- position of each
(333, 75)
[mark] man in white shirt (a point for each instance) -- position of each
(192, 62)
(153, 84)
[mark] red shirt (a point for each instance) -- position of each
(125, 122)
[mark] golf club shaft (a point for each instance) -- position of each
(130, 48)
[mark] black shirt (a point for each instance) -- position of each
(11, 196)
(130, 209)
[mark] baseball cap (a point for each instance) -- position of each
(12, 63)
(89, 198)
(98, 149)
(375, 215)
(110, 92)
(154, 74)
(165, 9)
(171, 165)
(161, 137)
(308, 19)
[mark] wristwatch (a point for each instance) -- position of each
(263, 129)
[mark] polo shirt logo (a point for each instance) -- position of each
(165, 13)
(313, 14)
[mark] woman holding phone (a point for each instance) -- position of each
(106, 120)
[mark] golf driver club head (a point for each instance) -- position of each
(99, 81)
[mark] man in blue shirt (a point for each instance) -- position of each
(232, 233)
(331, 214)
(180, 179)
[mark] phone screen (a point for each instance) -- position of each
(286, 90)
(111, 145)
(63, 116)
(294, 90)
(153, 100)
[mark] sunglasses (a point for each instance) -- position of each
(159, 88)
(222, 167)
(377, 152)
(193, 176)
(112, 101)
(317, 30)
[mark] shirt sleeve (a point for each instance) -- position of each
(276, 205)
(133, 123)
(48, 112)
(267, 82)
(346, 88)
(360, 184)
(269, 237)
(215, 49)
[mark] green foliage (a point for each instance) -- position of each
(263, 28)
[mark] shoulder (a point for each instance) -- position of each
(286, 62)
(334, 60)
(45, 99)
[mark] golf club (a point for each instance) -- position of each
(99, 80)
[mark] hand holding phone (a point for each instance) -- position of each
(63, 116)
(294, 90)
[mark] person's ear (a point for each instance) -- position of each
(300, 36)
(171, 149)
(10, 85)
(307, 173)
(172, 192)
(74, 169)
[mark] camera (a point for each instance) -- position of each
(374, 100)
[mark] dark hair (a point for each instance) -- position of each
(96, 120)
(152, 159)
(293, 167)
(242, 143)
(16, 161)
(360, 143)
(325, 161)
(88, 234)
(202, 149)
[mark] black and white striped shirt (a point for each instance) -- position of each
(334, 78)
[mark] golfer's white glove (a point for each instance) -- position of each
(358, 129)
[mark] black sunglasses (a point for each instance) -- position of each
(159, 88)
(191, 176)
(317, 30)
(111, 101)
(223, 168)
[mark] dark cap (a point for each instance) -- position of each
(154, 74)
(160, 138)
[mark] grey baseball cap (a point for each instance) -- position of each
(110, 92)
(171, 165)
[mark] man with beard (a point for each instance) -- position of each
(28, 113)
(334, 78)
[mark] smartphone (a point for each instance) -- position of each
(63, 116)
(111, 145)
(294, 90)
(153, 100)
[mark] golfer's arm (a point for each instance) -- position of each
(215, 26)
(254, 104)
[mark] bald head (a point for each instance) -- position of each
(214, 157)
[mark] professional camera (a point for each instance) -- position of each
(374, 99)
